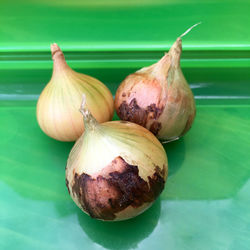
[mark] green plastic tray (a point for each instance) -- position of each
(206, 202)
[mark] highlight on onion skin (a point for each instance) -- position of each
(58, 105)
(158, 97)
(116, 169)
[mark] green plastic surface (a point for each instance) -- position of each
(206, 202)
(123, 25)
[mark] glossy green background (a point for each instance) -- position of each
(121, 25)
(206, 202)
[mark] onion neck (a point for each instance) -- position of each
(168, 61)
(175, 53)
(90, 123)
(59, 63)
(161, 68)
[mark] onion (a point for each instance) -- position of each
(116, 169)
(57, 107)
(158, 97)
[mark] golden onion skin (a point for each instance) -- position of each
(58, 105)
(158, 97)
(116, 170)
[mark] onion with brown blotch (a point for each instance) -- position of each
(158, 97)
(116, 169)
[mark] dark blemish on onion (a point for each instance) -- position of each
(155, 127)
(67, 184)
(134, 113)
(154, 111)
(103, 197)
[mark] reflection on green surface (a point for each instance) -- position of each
(176, 155)
(25, 163)
(216, 164)
(121, 234)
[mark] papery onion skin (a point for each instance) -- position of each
(158, 97)
(116, 170)
(58, 105)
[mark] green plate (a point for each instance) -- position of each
(206, 202)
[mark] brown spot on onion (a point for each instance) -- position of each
(104, 196)
(154, 110)
(155, 127)
(67, 184)
(134, 113)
